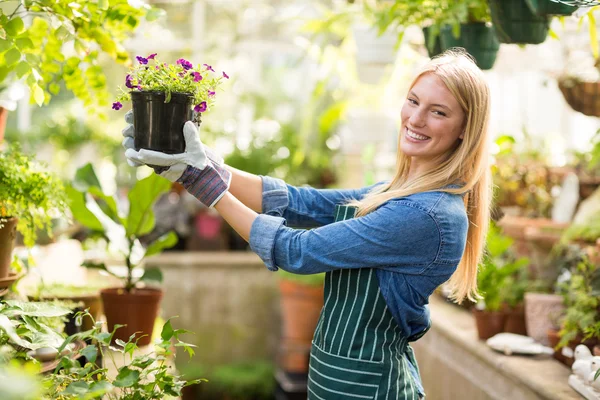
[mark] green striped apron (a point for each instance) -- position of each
(358, 350)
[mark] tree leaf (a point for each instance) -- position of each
(38, 94)
(10, 331)
(36, 309)
(2, 33)
(85, 177)
(98, 389)
(166, 241)
(126, 377)
(142, 197)
(77, 388)
(90, 353)
(167, 331)
(12, 56)
(22, 69)
(14, 26)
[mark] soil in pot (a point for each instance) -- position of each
(159, 125)
(137, 309)
(8, 233)
(489, 323)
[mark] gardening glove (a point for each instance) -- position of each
(128, 143)
(206, 180)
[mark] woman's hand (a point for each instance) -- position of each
(206, 180)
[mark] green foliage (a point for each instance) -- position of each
(499, 272)
(98, 212)
(522, 178)
(581, 295)
(587, 232)
(34, 52)
(310, 280)
(29, 192)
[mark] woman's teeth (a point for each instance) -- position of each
(415, 136)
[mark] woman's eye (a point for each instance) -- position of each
(412, 101)
(440, 113)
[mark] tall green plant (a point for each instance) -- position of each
(97, 211)
(35, 33)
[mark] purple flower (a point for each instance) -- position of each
(141, 60)
(211, 93)
(225, 75)
(139, 87)
(117, 105)
(208, 67)
(128, 80)
(197, 76)
(151, 56)
(185, 64)
(200, 107)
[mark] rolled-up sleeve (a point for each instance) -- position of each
(305, 207)
(394, 236)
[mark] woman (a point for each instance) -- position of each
(384, 249)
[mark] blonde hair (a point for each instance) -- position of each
(466, 164)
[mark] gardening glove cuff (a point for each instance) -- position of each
(208, 184)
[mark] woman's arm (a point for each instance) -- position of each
(247, 188)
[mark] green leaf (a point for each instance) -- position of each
(22, 69)
(24, 43)
(98, 389)
(4, 71)
(54, 88)
(90, 353)
(8, 328)
(77, 204)
(142, 197)
(85, 177)
(2, 33)
(12, 56)
(153, 274)
(36, 309)
(167, 331)
(14, 26)
(5, 45)
(166, 241)
(103, 4)
(77, 388)
(154, 14)
(38, 94)
(126, 377)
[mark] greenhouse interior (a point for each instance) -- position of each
(299, 199)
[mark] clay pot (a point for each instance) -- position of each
(489, 323)
(8, 233)
(137, 309)
(540, 311)
(515, 320)
(554, 339)
(597, 350)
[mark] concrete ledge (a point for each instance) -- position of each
(201, 259)
(454, 364)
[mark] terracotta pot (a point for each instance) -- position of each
(597, 350)
(300, 306)
(489, 323)
(137, 309)
(554, 339)
(8, 233)
(515, 320)
(300, 309)
(540, 311)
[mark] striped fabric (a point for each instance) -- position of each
(207, 184)
(358, 351)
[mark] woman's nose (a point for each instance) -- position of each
(417, 119)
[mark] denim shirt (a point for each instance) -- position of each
(415, 243)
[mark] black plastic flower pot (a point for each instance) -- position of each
(159, 125)
(514, 22)
(477, 38)
(549, 7)
(433, 44)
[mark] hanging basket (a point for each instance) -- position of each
(478, 39)
(433, 43)
(549, 7)
(581, 96)
(514, 22)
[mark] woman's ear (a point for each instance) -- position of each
(462, 136)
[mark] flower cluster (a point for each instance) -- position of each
(150, 75)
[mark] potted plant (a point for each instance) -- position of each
(581, 294)
(131, 304)
(516, 23)
(553, 8)
(164, 96)
(30, 196)
(497, 266)
(301, 304)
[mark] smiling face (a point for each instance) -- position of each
(432, 121)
